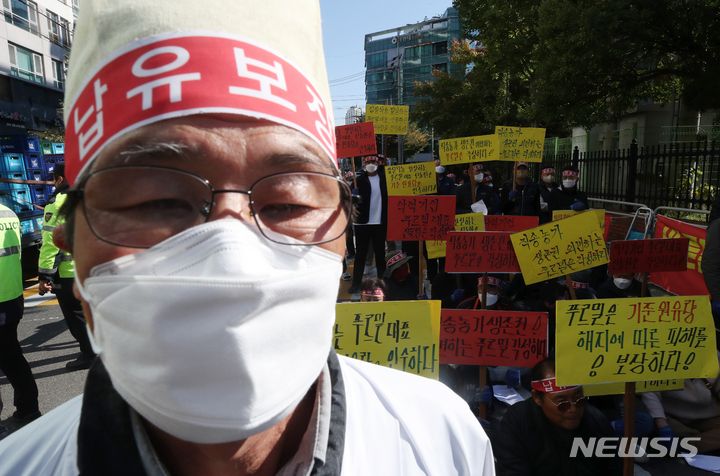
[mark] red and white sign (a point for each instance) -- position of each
(186, 73)
(684, 283)
(356, 140)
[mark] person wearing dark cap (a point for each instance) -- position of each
(536, 435)
(522, 199)
(568, 196)
(463, 193)
(546, 185)
(402, 285)
(494, 299)
(56, 273)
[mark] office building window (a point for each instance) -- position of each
(25, 64)
(23, 14)
(440, 48)
(58, 29)
(58, 69)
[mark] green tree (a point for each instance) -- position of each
(415, 141)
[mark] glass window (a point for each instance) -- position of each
(25, 64)
(440, 48)
(377, 60)
(58, 70)
(23, 14)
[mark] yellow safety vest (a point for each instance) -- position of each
(52, 259)
(10, 246)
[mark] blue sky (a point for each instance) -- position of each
(345, 25)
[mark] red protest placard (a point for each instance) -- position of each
(473, 337)
(510, 223)
(355, 140)
(480, 252)
(412, 218)
(643, 256)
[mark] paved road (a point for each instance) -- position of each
(48, 346)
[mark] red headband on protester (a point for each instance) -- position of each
(491, 281)
(369, 158)
(186, 73)
(373, 292)
(396, 258)
(548, 386)
(577, 285)
(548, 171)
(477, 167)
(570, 173)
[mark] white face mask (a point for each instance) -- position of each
(549, 179)
(217, 333)
(622, 283)
(491, 299)
(440, 169)
(569, 183)
(479, 177)
(371, 168)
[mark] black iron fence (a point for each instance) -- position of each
(683, 176)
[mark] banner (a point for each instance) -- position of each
(643, 256)
(469, 149)
(420, 218)
(690, 282)
(560, 214)
(600, 389)
(411, 179)
(355, 140)
(464, 222)
(510, 223)
(512, 338)
(480, 252)
(520, 143)
(560, 247)
(402, 335)
(388, 119)
(635, 339)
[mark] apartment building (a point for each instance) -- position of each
(34, 41)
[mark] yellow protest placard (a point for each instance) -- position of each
(560, 247)
(599, 389)
(388, 119)
(560, 214)
(403, 335)
(464, 222)
(411, 179)
(469, 149)
(520, 143)
(635, 339)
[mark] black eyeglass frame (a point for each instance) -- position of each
(345, 197)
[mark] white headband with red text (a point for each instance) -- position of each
(186, 73)
(373, 292)
(491, 281)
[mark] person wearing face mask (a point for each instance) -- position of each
(568, 197)
(206, 218)
(463, 194)
(494, 300)
(402, 285)
(546, 184)
(371, 223)
(536, 435)
(524, 199)
(445, 185)
(619, 286)
(56, 273)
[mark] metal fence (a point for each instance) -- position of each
(682, 176)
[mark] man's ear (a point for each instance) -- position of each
(537, 397)
(59, 238)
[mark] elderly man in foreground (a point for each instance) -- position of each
(206, 219)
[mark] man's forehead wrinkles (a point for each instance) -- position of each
(156, 149)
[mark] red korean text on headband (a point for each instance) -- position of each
(548, 386)
(577, 285)
(548, 171)
(373, 292)
(396, 258)
(491, 281)
(187, 73)
(477, 167)
(569, 173)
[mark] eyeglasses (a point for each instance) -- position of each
(140, 206)
(565, 406)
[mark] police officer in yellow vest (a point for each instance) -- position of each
(56, 273)
(12, 362)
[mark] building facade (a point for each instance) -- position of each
(34, 41)
(354, 115)
(396, 58)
